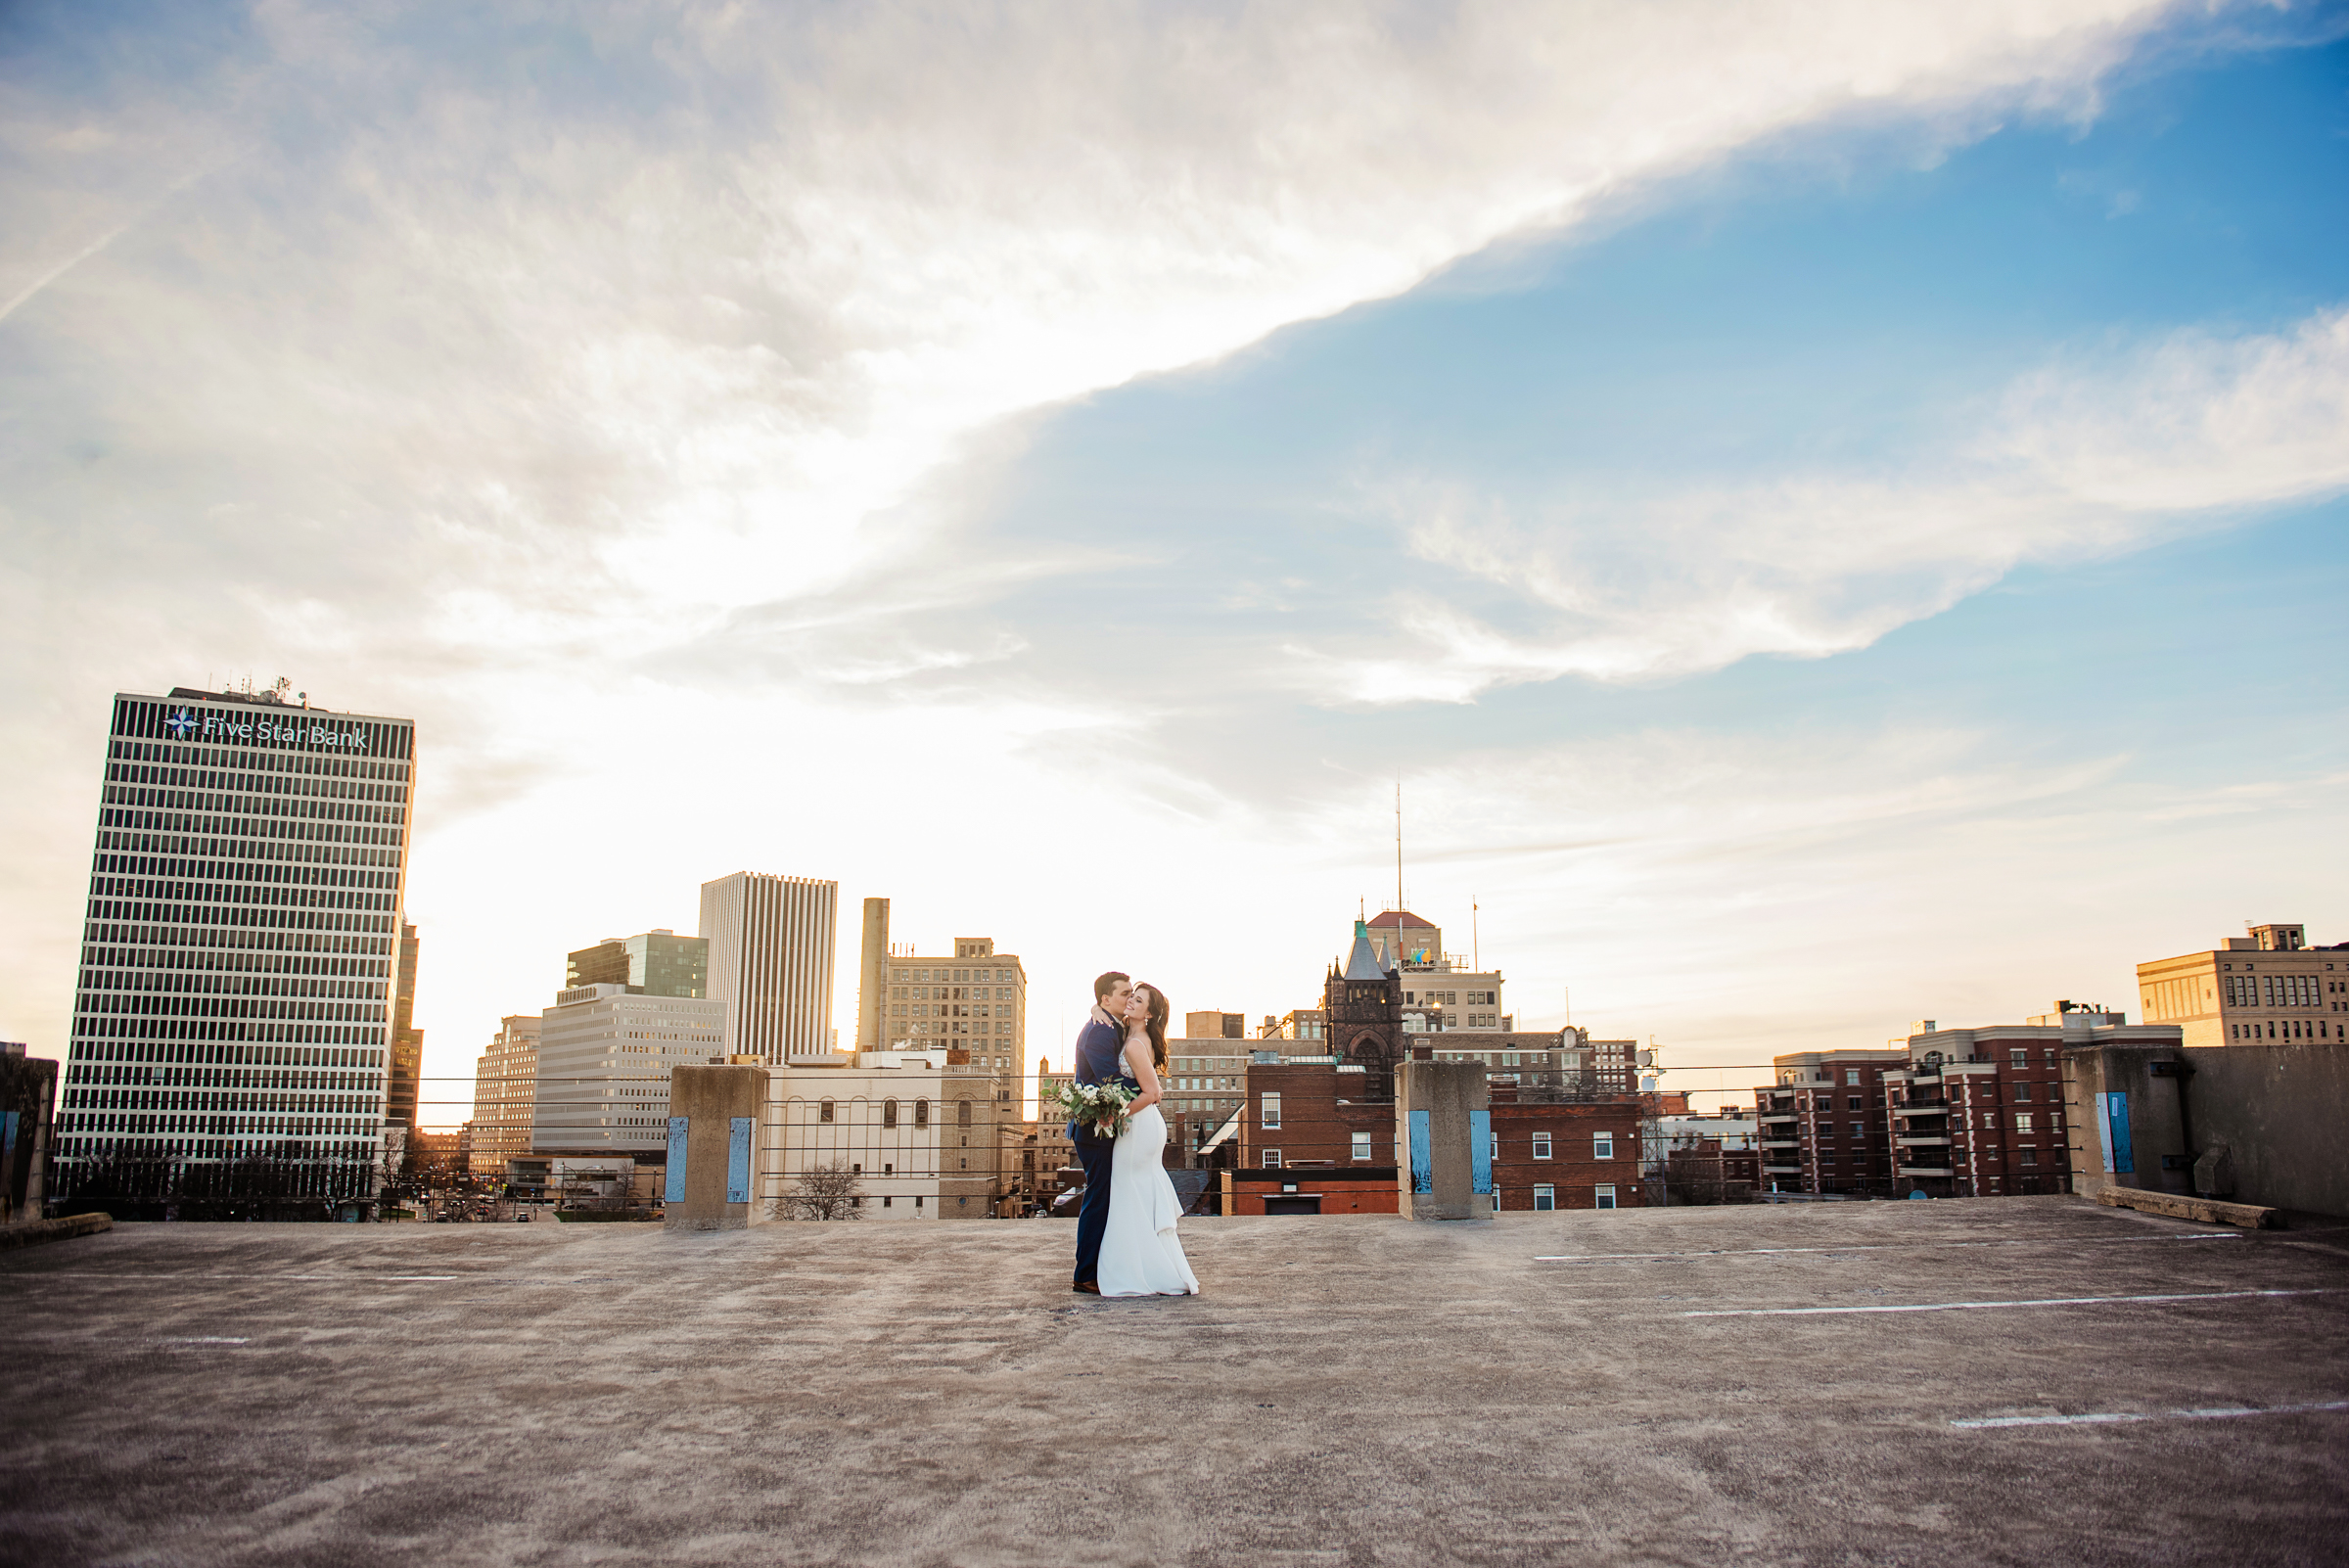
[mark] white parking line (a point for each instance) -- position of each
(2208, 1413)
(340, 1279)
(1886, 1246)
(205, 1339)
(1974, 1306)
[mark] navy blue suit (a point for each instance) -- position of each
(1099, 1047)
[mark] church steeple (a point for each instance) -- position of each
(1361, 1008)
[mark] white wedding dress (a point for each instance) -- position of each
(1139, 1253)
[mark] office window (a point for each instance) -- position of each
(2022, 1120)
(2030, 1156)
(823, 1110)
(1269, 1112)
(2018, 1058)
(1541, 1145)
(1603, 1147)
(2022, 1093)
(1271, 1159)
(1851, 1074)
(1858, 1129)
(1857, 1103)
(1361, 1145)
(1545, 1197)
(1605, 1197)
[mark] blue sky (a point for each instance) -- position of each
(1823, 539)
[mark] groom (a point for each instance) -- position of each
(1099, 1044)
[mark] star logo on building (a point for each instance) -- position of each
(181, 723)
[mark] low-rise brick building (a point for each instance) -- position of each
(1311, 1143)
(1566, 1154)
(1307, 1112)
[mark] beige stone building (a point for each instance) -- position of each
(1440, 993)
(973, 1002)
(916, 1127)
(505, 1085)
(1297, 1022)
(2268, 986)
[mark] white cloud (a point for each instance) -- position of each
(754, 275)
(2090, 454)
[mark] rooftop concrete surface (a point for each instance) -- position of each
(1347, 1391)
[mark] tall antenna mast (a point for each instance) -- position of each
(1476, 953)
(1398, 850)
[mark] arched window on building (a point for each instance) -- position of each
(823, 1110)
(921, 1113)
(889, 1113)
(962, 1113)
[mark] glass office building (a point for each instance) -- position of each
(241, 936)
(656, 963)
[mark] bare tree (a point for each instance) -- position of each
(823, 1192)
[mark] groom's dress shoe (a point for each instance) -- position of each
(1087, 1288)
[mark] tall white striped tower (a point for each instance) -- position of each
(771, 963)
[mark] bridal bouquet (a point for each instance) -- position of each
(1098, 1106)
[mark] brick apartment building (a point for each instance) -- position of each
(1824, 1123)
(1980, 1113)
(1946, 1112)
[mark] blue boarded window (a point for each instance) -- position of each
(674, 1192)
(738, 1160)
(2119, 1158)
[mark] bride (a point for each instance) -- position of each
(1140, 1254)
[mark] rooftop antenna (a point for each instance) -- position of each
(1399, 845)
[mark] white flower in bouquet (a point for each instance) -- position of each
(1098, 1106)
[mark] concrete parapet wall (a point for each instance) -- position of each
(713, 1156)
(2209, 1210)
(2260, 1125)
(33, 1232)
(1441, 1109)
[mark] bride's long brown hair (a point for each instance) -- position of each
(1155, 1025)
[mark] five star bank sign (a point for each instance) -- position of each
(185, 721)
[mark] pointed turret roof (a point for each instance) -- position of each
(1362, 962)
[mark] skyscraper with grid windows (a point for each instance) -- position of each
(240, 944)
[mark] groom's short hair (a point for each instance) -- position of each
(1103, 985)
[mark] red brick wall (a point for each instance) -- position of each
(1573, 1166)
(1337, 1197)
(1318, 1118)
